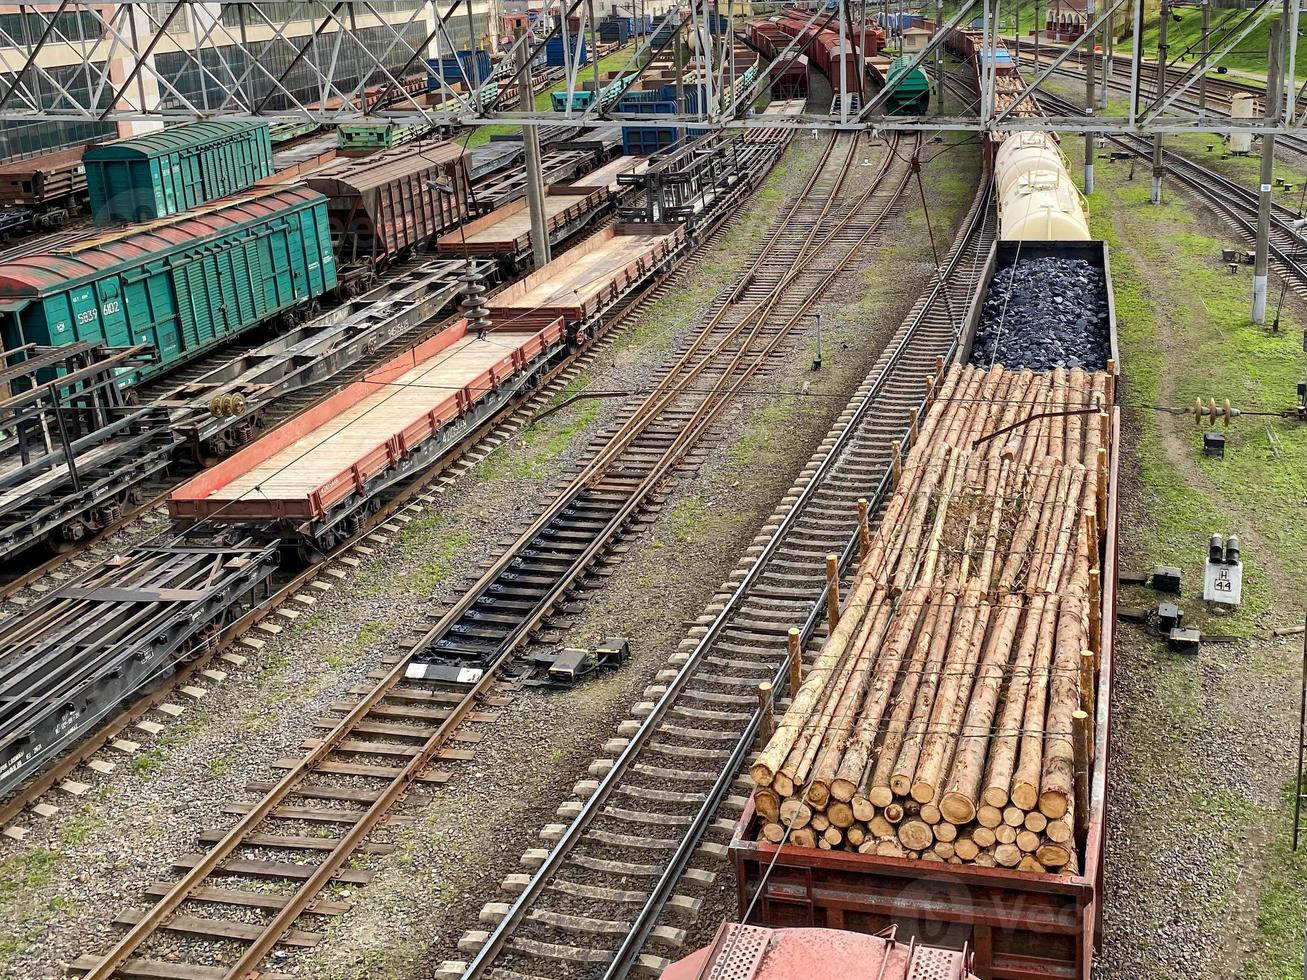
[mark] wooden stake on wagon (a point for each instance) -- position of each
(1087, 680)
(833, 591)
(767, 720)
(1095, 619)
(864, 530)
(796, 662)
(1080, 723)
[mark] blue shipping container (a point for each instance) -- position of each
(554, 51)
(451, 67)
(644, 140)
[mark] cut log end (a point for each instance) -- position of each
(1053, 804)
(916, 835)
(956, 808)
(843, 789)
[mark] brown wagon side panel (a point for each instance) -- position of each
(396, 201)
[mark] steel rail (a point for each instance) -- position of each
(87, 748)
(253, 956)
(498, 939)
(305, 892)
(646, 920)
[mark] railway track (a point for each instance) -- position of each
(433, 699)
(1227, 198)
(637, 833)
(399, 510)
(1219, 90)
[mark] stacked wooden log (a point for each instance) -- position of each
(1006, 90)
(948, 715)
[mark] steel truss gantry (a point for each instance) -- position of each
(287, 61)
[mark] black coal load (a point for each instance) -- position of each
(1045, 313)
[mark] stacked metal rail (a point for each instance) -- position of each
(74, 453)
(69, 662)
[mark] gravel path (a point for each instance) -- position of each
(1202, 748)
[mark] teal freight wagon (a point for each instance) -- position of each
(911, 95)
(182, 284)
(153, 176)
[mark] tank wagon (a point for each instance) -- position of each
(149, 177)
(182, 284)
(383, 208)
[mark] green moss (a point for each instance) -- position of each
(1282, 909)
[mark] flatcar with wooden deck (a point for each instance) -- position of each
(311, 480)
(315, 478)
(505, 233)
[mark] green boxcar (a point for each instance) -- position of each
(180, 285)
(911, 95)
(367, 137)
(160, 174)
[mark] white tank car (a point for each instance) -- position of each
(1023, 153)
(1037, 200)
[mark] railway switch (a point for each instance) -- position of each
(1186, 640)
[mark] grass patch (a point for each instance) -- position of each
(221, 765)
(1282, 909)
(766, 432)
(1165, 263)
(23, 879)
(687, 519)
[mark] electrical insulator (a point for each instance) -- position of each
(474, 303)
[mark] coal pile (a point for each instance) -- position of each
(1045, 313)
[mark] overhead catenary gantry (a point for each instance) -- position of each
(158, 61)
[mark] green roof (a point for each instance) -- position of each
(171, 140)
